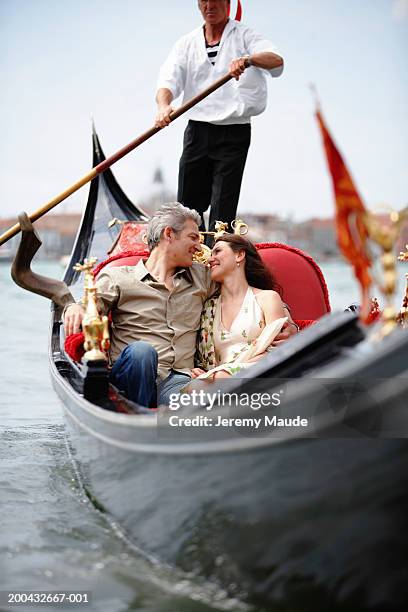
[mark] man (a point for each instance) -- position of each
(217, 137)
(155, 307)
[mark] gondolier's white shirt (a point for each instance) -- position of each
(188, 69)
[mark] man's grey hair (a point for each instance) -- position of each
(172, 214)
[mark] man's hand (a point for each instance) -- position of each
(196, 372)
(238, 66)
(73, 319)
(288, 330)
(163, 116)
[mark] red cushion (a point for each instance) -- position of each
(128, 258)
(74, 346)
(302, 281)
(130, 237)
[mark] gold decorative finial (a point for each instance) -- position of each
(386, 235)
(240, 228)
(220, 229)
(402, 317)
(115, 221)
(204, 254)
(95, 327)
(403, 256)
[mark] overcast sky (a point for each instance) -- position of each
(61, 62)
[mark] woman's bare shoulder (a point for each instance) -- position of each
(265, 295)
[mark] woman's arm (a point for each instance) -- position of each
(273, 308)
(271, 305)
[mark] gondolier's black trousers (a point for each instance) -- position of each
(211, 168)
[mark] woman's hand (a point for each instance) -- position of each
(221, 374)
(257, 357)
(195, 372)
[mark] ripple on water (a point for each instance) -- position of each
(53, 538)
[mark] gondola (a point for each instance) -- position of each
(285, 518)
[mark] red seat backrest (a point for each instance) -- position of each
(127, 258)
(302, 282)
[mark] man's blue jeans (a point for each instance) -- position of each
(135, 373)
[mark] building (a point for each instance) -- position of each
(56, 231)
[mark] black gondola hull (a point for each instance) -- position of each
(317, 521)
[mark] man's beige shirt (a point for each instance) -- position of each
(142, 308)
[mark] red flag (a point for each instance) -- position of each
(238, 14)
(351, 230)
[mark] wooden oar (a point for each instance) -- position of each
(113, 159)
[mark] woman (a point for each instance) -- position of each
(240, 323)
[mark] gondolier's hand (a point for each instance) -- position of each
(238, 66)
(73, 319)
(163, 116)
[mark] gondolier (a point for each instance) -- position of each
(217, 137)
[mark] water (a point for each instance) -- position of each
(51, 536)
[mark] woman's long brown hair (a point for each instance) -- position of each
(256, 272)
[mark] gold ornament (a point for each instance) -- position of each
(95, 327)
(402, 317)
(115, 221)
(240, 228)
(386, 235)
